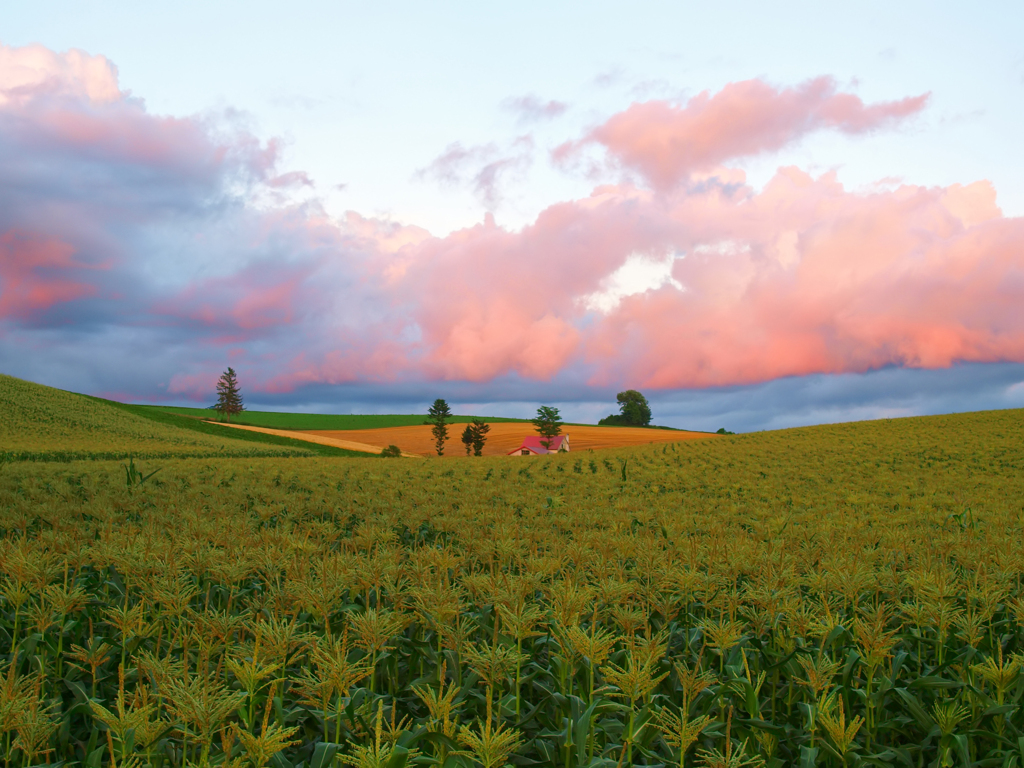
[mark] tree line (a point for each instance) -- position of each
(634, 411)
(548, 423)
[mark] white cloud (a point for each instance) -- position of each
(639, 274)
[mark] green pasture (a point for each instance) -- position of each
(318, 421)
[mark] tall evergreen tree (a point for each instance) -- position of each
(229, 397)
(439, 414)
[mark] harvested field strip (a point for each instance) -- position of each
(314, 437)
(504, 437)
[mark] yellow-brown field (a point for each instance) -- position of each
(502, 438)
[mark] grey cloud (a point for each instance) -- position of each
(531, 108)
(822, 399)
(484, 168)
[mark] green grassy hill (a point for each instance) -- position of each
(318, 421)
(45, 424)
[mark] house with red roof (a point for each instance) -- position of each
(534, 446)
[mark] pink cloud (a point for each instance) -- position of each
(71, 103)
(665, 143)
(37, 273)
(802, 277)
(825, 282)
(242, 304)
(31, 71)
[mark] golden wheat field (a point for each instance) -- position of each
(830, 596)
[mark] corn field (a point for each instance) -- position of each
(846, 595)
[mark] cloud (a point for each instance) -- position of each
(890, 392)
(485, 168)
(37, 273)
(530, 108)
(292, 179)
(802, 277)
(666, 143)
(637, 275)
(142, 253)
(34, 72)
(609, 77)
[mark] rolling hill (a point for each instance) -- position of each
(45, 424)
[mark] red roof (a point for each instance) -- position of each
(536, 443)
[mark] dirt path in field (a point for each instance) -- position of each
(314, 437)
(503, 437)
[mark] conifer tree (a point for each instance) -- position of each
(480, 430)
(439, 414)
(229, 397)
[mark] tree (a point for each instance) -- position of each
(475, 436)
(548, 423)
(439, 414)
(229, 398)
(634, 411)
(391, 452)
(634, 407)
(480, 430)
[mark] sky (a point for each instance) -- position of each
(759, 215)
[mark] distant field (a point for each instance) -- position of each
(336, 421)
(505, 436)
(319, 421)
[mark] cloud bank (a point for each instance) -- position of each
(140, 254)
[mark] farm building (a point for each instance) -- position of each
(534, 446)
